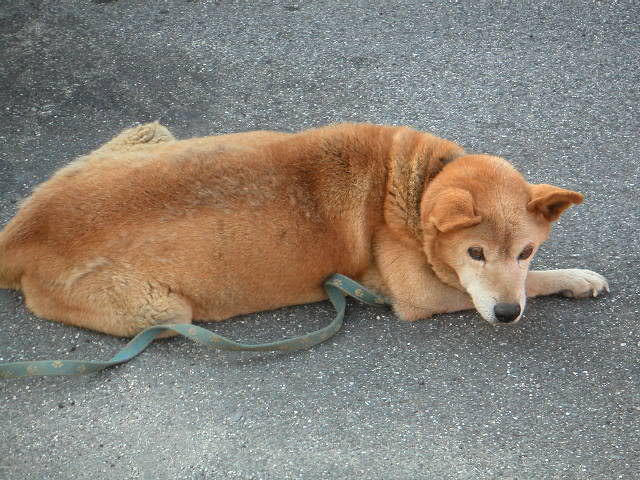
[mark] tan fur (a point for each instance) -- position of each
(148, 230)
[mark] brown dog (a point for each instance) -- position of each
(149, 230)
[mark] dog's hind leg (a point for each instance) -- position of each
(120, 305)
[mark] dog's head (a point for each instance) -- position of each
(482, 223)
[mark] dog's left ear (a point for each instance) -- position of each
(551, 201)
(415, 159)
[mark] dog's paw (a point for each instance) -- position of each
(579, 283)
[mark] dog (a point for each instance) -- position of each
(148, 229)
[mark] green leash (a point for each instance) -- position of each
(337, 287)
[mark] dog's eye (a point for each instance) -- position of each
(476, 253)
(526, 253)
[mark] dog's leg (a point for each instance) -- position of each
(120, 307)
(571, 282)
(142, 136)
(416, 292)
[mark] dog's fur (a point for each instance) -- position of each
(149, 230)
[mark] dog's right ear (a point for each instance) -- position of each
(454, 208)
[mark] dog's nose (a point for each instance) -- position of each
(506, 312)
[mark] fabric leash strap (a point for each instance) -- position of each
(337, 287)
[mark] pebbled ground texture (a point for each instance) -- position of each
(552, 86)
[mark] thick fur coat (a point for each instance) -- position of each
(148, 229)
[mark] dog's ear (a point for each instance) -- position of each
(453, 209)
(416, 157)
(550, 201)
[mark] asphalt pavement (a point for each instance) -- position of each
(551, 86)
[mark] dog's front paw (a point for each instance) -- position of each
(579, 283)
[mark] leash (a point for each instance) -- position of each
(337, 287)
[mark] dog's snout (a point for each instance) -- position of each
(506, 312)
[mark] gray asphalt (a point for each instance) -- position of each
(552, 86)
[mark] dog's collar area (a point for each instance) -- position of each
(447, 160)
